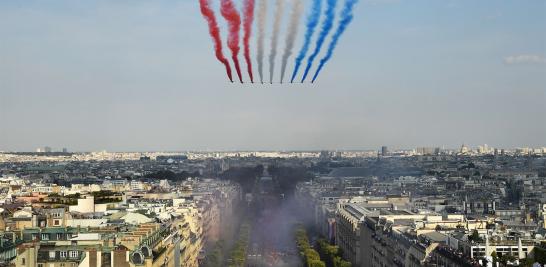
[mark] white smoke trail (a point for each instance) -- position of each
(275, 39)
(262, 16)
(297, 9)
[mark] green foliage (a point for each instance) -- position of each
(77, 195)
(238, 253)
(105, 196)
(343, 263)
(540, 254)
(495, 258)
(245, 176)
(309, 255)
(506, 258)
(475, 237)
(104, 193)
(288, 177)
(331, 255)
(527, 262)
(315, 263)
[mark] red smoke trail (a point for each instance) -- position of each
(230, 13)
(215, 34)
(247, 21)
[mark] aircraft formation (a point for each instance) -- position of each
(320, 21)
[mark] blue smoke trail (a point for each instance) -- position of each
(326, 27)
(312, 22)
(346, 18)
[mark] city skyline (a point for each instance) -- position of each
(476, 147)
(120, 76)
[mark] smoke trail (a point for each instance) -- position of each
(275, 38)
(312, 22)
(229, 12)
(326, 27)
(214, 32)
(346, 18)
(297, 8)
(262, 16)
(247, 22)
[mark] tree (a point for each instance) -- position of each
(506, 258)
(495, 258)
(289, 177)
(475, 237)
(245, 176)
(310, 256)
(315, 263)
(527, 262)
(331, 255)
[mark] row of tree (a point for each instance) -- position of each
(288, 177)
(331, 255)
(244, 176)
(238, 254)
(323, 255)
(309, 255)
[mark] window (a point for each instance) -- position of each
(45, 236)
(23, 261)
(56, 222)
(62, 254)
(62, 264)
(52, 254)
(73, 253)
(40, 265)
(59, 236)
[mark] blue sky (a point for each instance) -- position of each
(141, 75)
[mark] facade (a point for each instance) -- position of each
(109, 229)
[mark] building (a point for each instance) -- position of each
(384, 151)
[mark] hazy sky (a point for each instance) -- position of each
(141, 75)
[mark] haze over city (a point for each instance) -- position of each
(272, 133)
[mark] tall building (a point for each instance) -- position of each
(384, 151)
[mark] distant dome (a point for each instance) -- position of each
(464, 149)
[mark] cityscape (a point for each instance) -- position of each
(413, 207)
(273, 133)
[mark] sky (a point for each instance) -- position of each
(135, 75)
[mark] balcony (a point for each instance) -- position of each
(44, 257)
